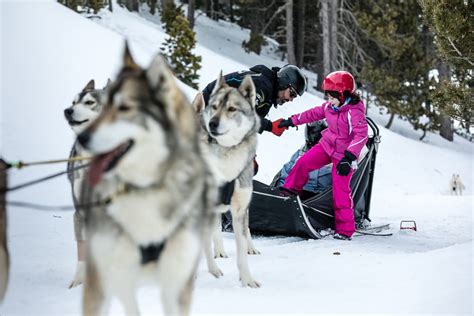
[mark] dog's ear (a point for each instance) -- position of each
(128, 61)
(165, 87)
(247, 88)
(107, 85)
(159, 73)
(198, 102)
(220, 82)
(89, 86)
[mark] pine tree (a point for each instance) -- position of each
(96, 5)
(452, 21)
(179, 45)
(399, 64)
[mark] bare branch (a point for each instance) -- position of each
(459, 53)
(278, 11)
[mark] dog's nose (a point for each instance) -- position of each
(83, 138)
(68, 112)
(213, 124)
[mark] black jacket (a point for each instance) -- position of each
(266, 86)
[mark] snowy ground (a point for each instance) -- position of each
(48, 53)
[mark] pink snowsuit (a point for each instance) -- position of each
(347, 130)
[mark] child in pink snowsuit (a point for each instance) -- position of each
(341, 144)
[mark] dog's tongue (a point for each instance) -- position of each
(98, 166)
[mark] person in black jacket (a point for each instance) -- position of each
(273, 87)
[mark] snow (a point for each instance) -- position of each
(48, 53)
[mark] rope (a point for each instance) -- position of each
(20, 164)
(40, 206)
(43, 207)
(26, 184)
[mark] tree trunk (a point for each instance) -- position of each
(132, 5)
(290, 45)
(423, 136)
(215, 10)
(325, 35)
(333, 33)
(207, 7)
(152, 5)
(300, 33)
(165, 3)
(390, 121)
(110, 6)
(446, 130)
(231, 11)
(4, 258)
(191, 5)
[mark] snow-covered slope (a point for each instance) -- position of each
(49, 53)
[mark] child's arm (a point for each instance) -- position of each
(311, 115)
(359, 126)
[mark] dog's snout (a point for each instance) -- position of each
(68, 112)
(83, 138)
(213, 124)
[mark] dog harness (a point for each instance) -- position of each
(227, 189)
(152, 251)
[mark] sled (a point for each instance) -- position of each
(408, 224)
(271, 214)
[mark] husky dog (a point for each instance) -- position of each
(229, 143)
(85, 107)
(149, 195)
(455, 185)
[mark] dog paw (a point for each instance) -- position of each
(250, 283)
(79, 275)
(216, 272)
(253, 251)
(220, 254)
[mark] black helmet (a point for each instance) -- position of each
(313, 132)
(291, 75)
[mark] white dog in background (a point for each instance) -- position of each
(455, 185)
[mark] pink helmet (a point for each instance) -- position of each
(339, 81)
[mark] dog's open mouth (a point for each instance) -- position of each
(106, 162)
(75, 123)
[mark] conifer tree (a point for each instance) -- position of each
(452, 21)
(397, 72)
(96, 5)
(179, 45)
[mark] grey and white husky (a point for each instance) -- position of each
(149, 194)
(85, 107)
(229, 142)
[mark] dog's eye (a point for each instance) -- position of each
(231, 109)
(124, 108)
(214, 107)
(89, 102)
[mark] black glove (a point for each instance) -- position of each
(266, 125)
(344, 166)
(286, 123)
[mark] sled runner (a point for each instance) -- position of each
(272, 214)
